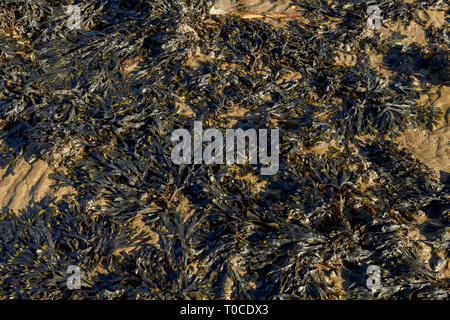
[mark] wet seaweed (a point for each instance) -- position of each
(102, 102)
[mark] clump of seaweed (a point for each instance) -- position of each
(38, 246)
(103, 100)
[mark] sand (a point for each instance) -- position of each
(432, 146)
(27, 184)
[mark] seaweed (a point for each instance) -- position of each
(103, 100)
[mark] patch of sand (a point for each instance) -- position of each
(222, 7)
(432, 147)
(27, 184)
(323, 147)
(232, 117)
(274, 13)
(413, 32)
(183, 109)
(345, 59)
(256, 184)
